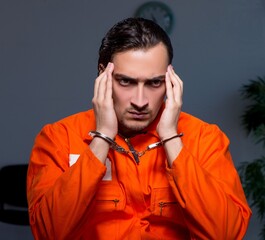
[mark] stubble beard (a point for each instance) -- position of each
(129, 128)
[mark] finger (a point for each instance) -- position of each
(169, 88)
(175, 78)
(109, 81)
(101, 87)
(96, 85)
(102, 73)
(177, 84)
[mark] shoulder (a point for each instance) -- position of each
(188, 120)
(79, 122)
(202, 138)
(193, 125)
(78, 118)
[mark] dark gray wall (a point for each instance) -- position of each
(48, 56)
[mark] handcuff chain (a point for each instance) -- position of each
(120, 149)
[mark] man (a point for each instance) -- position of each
(135, 166)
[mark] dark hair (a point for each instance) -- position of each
(132, 33)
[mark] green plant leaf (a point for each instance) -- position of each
(253, 118)
(252, 175)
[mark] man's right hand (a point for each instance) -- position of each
(106, 120)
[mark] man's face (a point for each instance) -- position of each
(138, 87)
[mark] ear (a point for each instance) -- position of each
(101, 68)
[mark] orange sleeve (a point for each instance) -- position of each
(60, 196)
(208, 188)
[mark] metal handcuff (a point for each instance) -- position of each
(120, 149)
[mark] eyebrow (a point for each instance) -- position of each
(122, 76)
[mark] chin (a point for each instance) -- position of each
(133, 126)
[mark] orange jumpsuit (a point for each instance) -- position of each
(72, 195)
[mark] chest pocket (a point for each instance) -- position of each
(109, 198)
(164, 203)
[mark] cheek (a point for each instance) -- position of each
(157, 97)
(120, 97)
(156, 103)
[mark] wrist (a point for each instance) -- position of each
(111, 142)
(173, 146)
(103, 136)
(166, 139)
(106, 133)
(165, 134)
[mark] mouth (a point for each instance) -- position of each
(139, 115)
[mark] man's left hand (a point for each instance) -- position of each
(167, 126)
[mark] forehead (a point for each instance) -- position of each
(147, 62)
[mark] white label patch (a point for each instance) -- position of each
(108, 176)
(73, 158)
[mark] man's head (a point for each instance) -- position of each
(132, 33)
(141, 52)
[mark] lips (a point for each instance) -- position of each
(138, 115)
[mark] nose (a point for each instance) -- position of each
(139, 98)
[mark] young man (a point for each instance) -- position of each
(135, 166)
